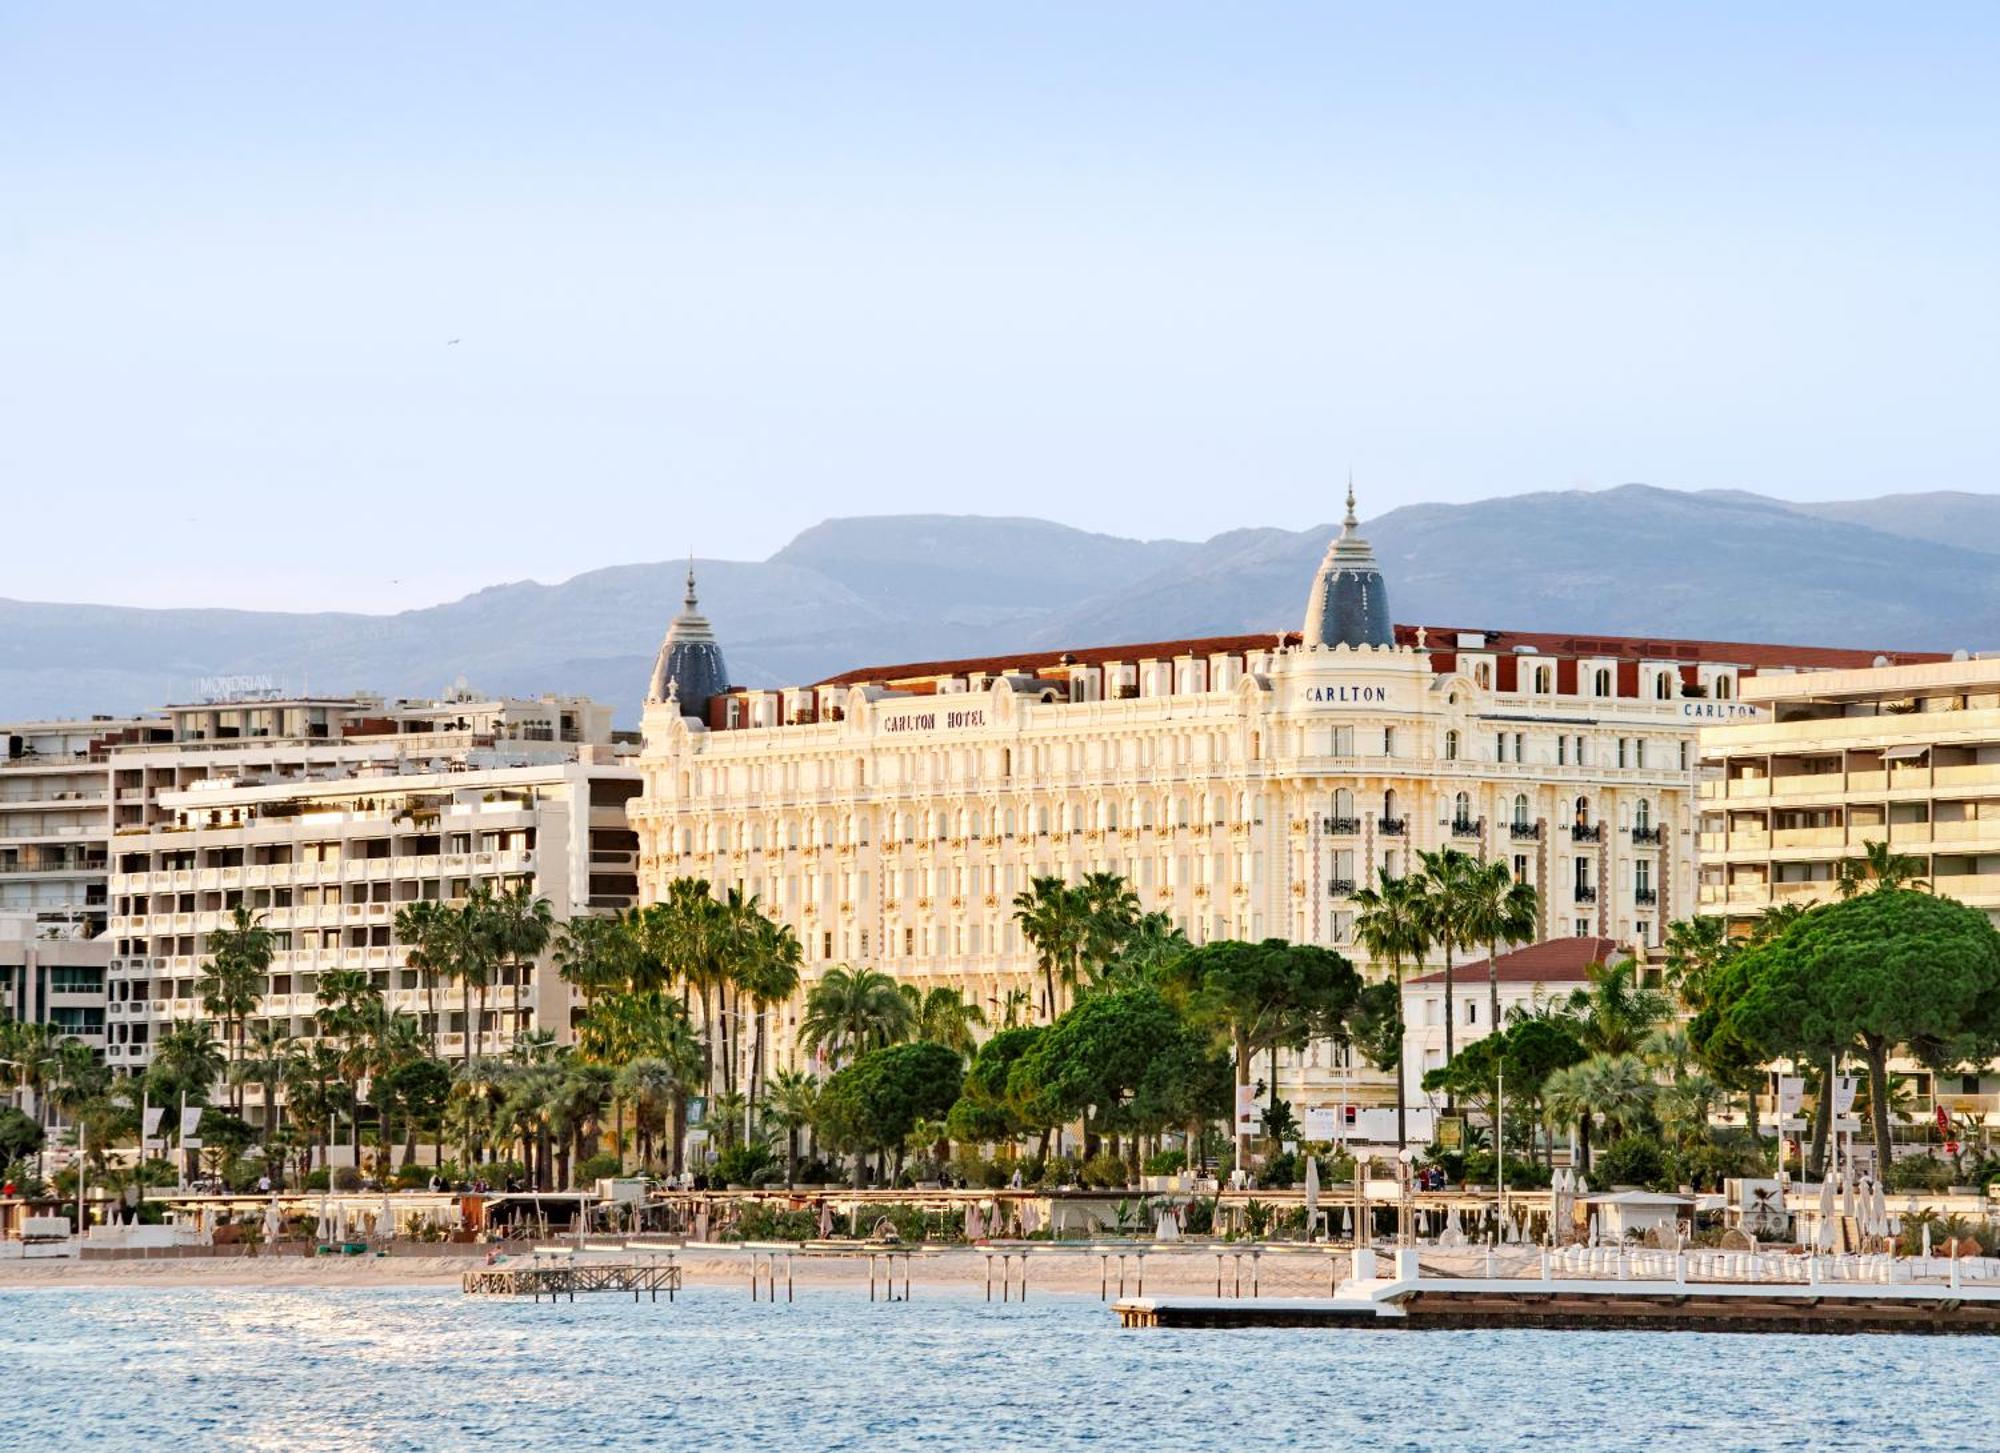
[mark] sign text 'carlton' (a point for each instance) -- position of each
(930, 721)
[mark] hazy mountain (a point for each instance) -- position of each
(1634, 560)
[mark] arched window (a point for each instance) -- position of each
(1482, 676)
(1723, 686)
(1451, 746)
(1544, 680)
(1520, 809)
(1663, 686)
(1461, 808)
(1603, 681)
(1389, 805)
(1642, 815)
(1583, 812)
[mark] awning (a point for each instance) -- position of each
(1904, 754)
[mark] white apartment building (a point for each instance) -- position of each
(55, 818)
(1244, 785)
(324, 814)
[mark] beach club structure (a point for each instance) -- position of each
(1245, 785)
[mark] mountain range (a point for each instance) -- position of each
(1909, 571)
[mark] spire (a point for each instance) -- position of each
(1349, 605)
(689, 669)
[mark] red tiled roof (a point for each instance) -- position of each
(1440, 640)
(1049, 659)
(1661, 648)
(1553, 961)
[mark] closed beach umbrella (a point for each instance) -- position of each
(1847, 1194)
(825, 1220)
(1824, 1240)
(974, 1230)
(271, 1223)
(1312, 1197)
(1878, 1207)
(1168, 1227)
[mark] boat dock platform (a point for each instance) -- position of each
(1638, 1291)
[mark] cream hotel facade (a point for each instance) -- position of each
(1244, 785)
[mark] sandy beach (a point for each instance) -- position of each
(1074, 1273)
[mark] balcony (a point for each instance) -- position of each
(1342, 887)
(1645, 897)
(1585, 893)
(1393, 826)
(1465, 828)
(1586, 832)
(1645, 835)
(1340, 826)
(1525, 832)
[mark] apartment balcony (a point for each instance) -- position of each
(1809, 837)
(1464, 828)
(1645, 897)
(1586, 832)
(1968, 830)
(1967, 885)
(1749, 787)
(1585, 893)
(1341, 826)
(1646, 836)
(1525, 832)
(1806, 891)
(1808, 784)
(1342, 887)
(1909, 834)
(1393, 826)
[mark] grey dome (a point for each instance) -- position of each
(689, 668)
(1349, 605)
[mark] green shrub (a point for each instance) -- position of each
(595, 1168)
(741, 1165)
(1166, 1163)
(1105, 1173)
(1918, 1173)
(763, 1222)
(1281, 1170)
(317, 1180)
(1633, 1160)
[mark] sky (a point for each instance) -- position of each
(366, 306)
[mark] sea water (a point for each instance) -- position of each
(308, 1369)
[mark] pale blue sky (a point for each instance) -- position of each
(1145, 268)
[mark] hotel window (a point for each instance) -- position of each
(1520, 867)
(1544, 680)
(826, 944)
(1520, 742)
(1602, 680)
(1642, 815)
(1583, 928)
(1388, 741)
(1562, 751)
(1500, 746)
(1520, 809)
(1643, 930)
(1451, 746)
(1684, 756)
(1639, 753)
(1461, 810)
(1642, 875)
(1343, 741)
(1580, 752)
(1482, 676)
(1724, 685)
(1622, 747)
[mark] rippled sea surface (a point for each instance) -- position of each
(290, 1369)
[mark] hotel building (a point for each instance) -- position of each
(1244, 785)
(324, 816)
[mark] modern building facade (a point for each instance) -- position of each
(324, 815)
(1908, 755)
(1244, 785)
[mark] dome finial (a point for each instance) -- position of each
(1350, 523)
(689, 600)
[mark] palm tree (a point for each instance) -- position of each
(769, 975)
(473, 953)
(850, 1011)
(268, 1054)
(1111, 915)
(1055, 919)
(1392, 928)
(1497, 910)
(687, 928)
(1614, 1013)
(794, 1099)
(423, 930)
(595, 954)
(1621, 1090)
(1888, 869)
(521, 924)
(652, 1087)
(1448, 898)
(239, 957)
(1567, 1100)
(944, 1016)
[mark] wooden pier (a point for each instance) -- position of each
(558, 1276)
